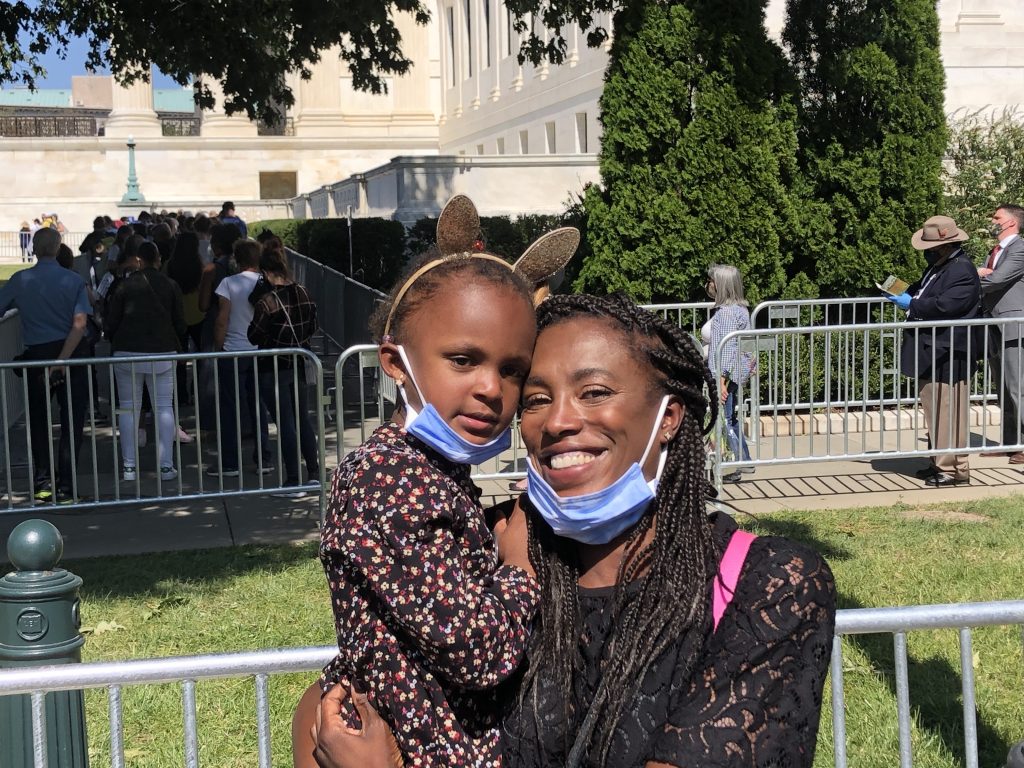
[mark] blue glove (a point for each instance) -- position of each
(902, 301)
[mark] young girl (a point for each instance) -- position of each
(427, 621)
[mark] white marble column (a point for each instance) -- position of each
(217, 123)
(132, 112)
(318, 103)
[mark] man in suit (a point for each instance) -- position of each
(1002, 291)
(942, 359)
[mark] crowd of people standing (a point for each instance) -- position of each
(163, 285)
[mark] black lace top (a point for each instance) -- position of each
(754, 700)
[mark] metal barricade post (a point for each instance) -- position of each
(39, 625)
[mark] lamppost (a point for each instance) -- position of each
(132, 194)
(348, 214)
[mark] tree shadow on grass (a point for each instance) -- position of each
(935, 694)
(803, 533)
(135, 575)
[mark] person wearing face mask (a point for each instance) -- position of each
(1002, 295)
(942, 359)
(665, 637)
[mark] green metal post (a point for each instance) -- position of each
(39, 623)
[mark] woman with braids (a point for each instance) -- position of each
(665, 637)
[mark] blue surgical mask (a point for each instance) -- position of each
(597, 518)
(432, 429)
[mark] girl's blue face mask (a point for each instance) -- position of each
(598, 517)
(432, 429)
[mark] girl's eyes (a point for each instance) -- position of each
(460, 361)
(591, 393)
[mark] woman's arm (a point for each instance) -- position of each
(206, 286)
(338, 746)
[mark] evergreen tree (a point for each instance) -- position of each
(872, 136)
(698, 150)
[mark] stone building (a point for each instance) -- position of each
(468, 118)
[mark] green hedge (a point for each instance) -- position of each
(381, 247)
(378, 245)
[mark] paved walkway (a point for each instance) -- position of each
(276, 520)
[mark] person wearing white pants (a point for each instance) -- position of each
(159, 379)
(145, 317)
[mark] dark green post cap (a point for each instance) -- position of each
(35, 545)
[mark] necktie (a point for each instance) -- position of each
(991, 263)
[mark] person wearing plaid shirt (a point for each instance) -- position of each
(284, 316)
(733, 367)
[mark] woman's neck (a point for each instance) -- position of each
(600, 563)
(275, 279)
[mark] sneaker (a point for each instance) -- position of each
(291, 494)
(143, 439)
(184, 437)
(215, 472)
(43, 493)
(168, 473)
(732, 477)
(129, 474)
(266, 469)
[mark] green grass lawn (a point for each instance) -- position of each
(264, 597)
(6, 270)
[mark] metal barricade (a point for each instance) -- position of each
(845, 397)
(11, 250)
(96, 463)
(688, 315)
(188, 672)
(344, 305)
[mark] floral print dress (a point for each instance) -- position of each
(426, 619)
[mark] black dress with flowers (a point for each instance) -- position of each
(425, 617)
(754, 698)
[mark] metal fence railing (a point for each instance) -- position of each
(88, 466)
(188, 672)
(839, 393)
(344, 305)
(11, 249)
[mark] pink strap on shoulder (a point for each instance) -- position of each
(729, 573)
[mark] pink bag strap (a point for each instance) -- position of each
(729, 573)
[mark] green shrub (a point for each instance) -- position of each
(378, 248)
(286, 229)
(697, 148)
(985, 167)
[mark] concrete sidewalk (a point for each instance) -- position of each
(273, 519)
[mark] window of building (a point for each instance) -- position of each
(500, 146)
(549, 135)
(581, 133)
(479, 149)
(468, 47)
(451, 47)
(524, 142)
(278, 185)
(487, 33)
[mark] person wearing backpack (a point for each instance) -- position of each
(144, 316)
(284, 317)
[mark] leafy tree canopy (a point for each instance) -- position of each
(244, 45)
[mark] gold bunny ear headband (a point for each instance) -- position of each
(458, 231)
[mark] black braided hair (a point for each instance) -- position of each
(461, 268)
(673, 569)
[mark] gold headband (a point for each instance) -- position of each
(426, 268)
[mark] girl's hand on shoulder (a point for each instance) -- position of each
(338, 746)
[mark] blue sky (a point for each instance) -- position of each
(59, 72)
